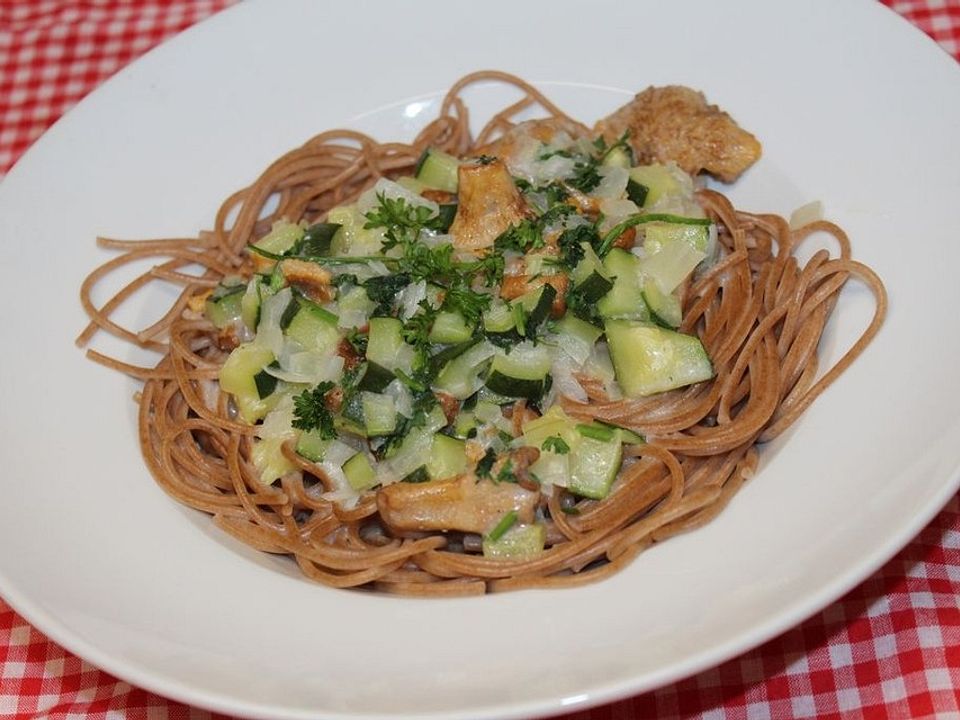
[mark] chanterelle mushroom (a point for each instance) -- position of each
(310, 277)
(676, 123)
(462, 503)
(489, 204)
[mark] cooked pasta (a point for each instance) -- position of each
(749, 321)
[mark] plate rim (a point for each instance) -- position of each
(598, 695)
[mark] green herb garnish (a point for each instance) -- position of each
(485, 465)
(556, 444)
(402, 221)
(311, 413)
(500, 529)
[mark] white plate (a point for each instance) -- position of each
(854, 107)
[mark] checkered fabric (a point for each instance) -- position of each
(940, 19)
(889, 649)
(53, 52)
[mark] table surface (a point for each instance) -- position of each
(888, 649)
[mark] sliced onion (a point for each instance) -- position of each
(564, 381)
(525, 160)
(392, 190)
(338, 452)
(410, 298)
(344, 495)
(352, 318)
(552, 469)
(411, 454)
(307, 366)
(615, 211)
(269, 334)
(613, 183)
(402, 397)
(279, 422)
(575, 349)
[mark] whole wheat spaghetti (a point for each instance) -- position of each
(757, 311)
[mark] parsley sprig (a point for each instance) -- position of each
(402, 221)
(403, 224)
(310, 411)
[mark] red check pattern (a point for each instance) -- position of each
(888, 649)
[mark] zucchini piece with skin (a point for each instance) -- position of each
(266, 383)
(311, 445)
(460, 377)
(637, 192)
(379, 414)
(317, 239)
(450, 328)
(439, 170)
(589, 279)
(658, 180)
(449, 353)
(446, 215)
(224, 307)
(386, 347)
(360, 473)
(536, 305)
(664, 307)
(464, 425)
(595, 461)
(448, 457)
(310, 325)
(649, 359)
(500, 323)
(618, 156)
(353, 238)
(625, 298)
(375, 378)
(522, 372)
(250, 304)
(517, 543)
(238, 377)
(281, 238)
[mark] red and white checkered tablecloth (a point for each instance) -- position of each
(888, 649)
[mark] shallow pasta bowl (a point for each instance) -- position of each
(100, 559)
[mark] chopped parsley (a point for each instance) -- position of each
(311, 413)
(485, 466)
(423, 402)
(569, 243)
(402, 221)
(586, 176)
(383, 290)
(506, 473)
(585, 309)
(603, 150)
(525, 236)
(556, 444)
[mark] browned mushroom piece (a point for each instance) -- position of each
(449, 404)
(520, 461)
(462, 503)
(514, 286)
(489, 204)
(312, 279)
(676, 123)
